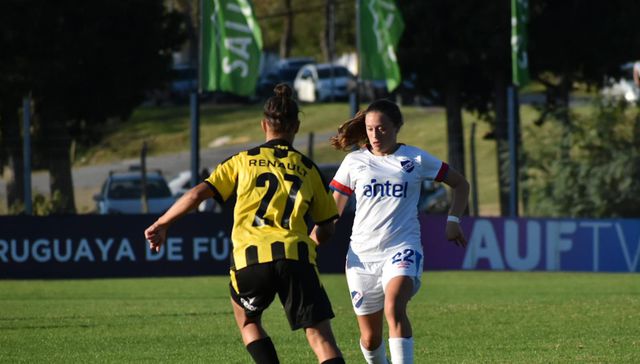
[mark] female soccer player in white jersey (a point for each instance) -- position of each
(384, 261)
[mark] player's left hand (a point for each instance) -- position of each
(455, 234)
(313, 235)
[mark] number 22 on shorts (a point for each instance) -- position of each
(405, 257)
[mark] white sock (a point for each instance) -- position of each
(377, 356)
(401, 350)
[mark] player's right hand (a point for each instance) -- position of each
(156, 236)
(455, 234)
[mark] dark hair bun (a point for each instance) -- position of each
(283, 90)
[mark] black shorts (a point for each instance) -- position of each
(297, 284)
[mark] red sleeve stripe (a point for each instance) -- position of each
(337, 186)
(442, 173)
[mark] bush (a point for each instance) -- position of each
(588, 169)
(41, 206)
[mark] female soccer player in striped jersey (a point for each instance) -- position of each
(384, 260)
(275, 186)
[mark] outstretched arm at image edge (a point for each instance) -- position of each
(156, 234)
(460, 197)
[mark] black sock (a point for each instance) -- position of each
(337, 360)
(263, 352)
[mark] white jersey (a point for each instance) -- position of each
(387, 189)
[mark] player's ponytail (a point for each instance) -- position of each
(281, 111)
(353, 133)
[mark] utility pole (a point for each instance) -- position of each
(26, 150)
(354, 96)
(330, 14)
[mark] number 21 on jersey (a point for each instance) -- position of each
(270, 181)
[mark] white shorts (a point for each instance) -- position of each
(367, 281)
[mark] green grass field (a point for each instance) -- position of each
(458, 317)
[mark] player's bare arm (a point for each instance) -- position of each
(341, 201)
(322, 233)
(460, 196)
(156, 234)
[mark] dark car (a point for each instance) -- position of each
(183, 82)
(285, 72)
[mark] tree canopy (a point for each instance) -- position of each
(82, 63)
(598, 177)
(308, 25)
(579, 43)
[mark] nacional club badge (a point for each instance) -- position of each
(407, 165)
(356, 298)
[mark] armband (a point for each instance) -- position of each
(453, 219)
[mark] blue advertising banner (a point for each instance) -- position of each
(110, 246)
(92, 246)
(536, 244)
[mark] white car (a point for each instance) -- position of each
(121, 193)
(322, 82)
(623, 88)
(182, 183)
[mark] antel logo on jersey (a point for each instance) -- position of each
(385, 189)
(407, 165)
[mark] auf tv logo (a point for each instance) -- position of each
(552, 245)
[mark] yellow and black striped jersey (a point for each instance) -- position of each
(275, 187)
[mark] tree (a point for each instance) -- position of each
(287, 33)
(453, 47)
(305, 15)
(87, 62)
(328, 35)
(567, 49)
(597, 176)
(14, 80)
(190, 11)
(461, 50)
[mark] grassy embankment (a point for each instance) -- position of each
(167, 131)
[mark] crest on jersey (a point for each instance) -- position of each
(356, 298)
(407, 165)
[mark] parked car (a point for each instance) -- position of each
(406, 92)
(121, 193)
(433, 195)
(623, 88)
(182, 183)
(295, 62)
(322, 82)
(183, 81)
(285, 72)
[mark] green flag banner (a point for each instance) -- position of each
(231, 47)
(519, 41)
(381, 26)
